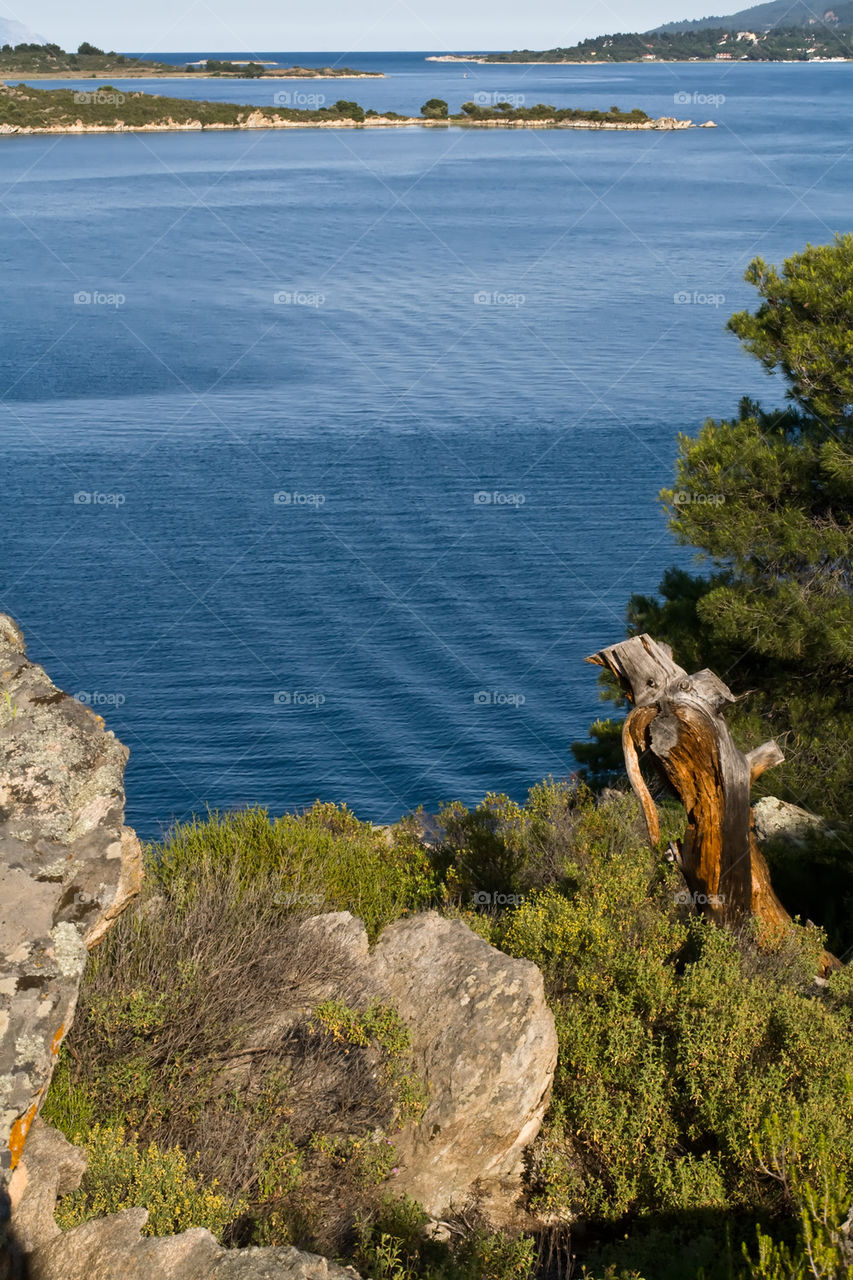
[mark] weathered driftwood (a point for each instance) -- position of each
(678, 718)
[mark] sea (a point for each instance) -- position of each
(329, 455)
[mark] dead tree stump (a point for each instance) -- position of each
(678, 718)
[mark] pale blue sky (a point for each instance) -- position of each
(343, 24)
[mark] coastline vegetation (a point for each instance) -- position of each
(33, 60)
(104, 106)
(694, 1065)
(50, 59)
(541, 111)
(793, 44)
(766, 497)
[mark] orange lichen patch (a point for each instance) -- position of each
(18, 1136)
(21, 1127)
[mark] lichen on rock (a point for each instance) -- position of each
(68, 867)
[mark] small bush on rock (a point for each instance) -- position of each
(123, 1173)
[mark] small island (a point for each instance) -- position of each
(50, 62)
(26, 110)
(245, 70)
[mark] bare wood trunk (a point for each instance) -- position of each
(678, 718)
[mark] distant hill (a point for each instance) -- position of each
(699, 44)
(16, 33)
(777, 13)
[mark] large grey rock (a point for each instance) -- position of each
(777, 820)
(68, 867)
(485, 1043)
(277, 1264)
(113, 1249)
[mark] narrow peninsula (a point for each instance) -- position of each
(105, 109)
(50, 62)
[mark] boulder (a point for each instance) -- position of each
(68, 867)
(485, 1044)
(113, 1248)
(777, 820)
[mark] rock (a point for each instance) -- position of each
(113, 1248)
(847, 1239)
(484, 1041)
(611, 795)
(777, 820)
(68, 867)
(277, 1264)
(51, 1166)
(340, 929)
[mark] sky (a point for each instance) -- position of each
(257, 25)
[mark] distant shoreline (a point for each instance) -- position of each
(637, 62)
(186, 75)
(662, 125)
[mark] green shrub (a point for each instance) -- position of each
(123, 1173)
(321, 860)
(677, 1038)
(435, 109)
(822, 1248)
(393, 1243)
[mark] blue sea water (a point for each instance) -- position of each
(352, 454)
